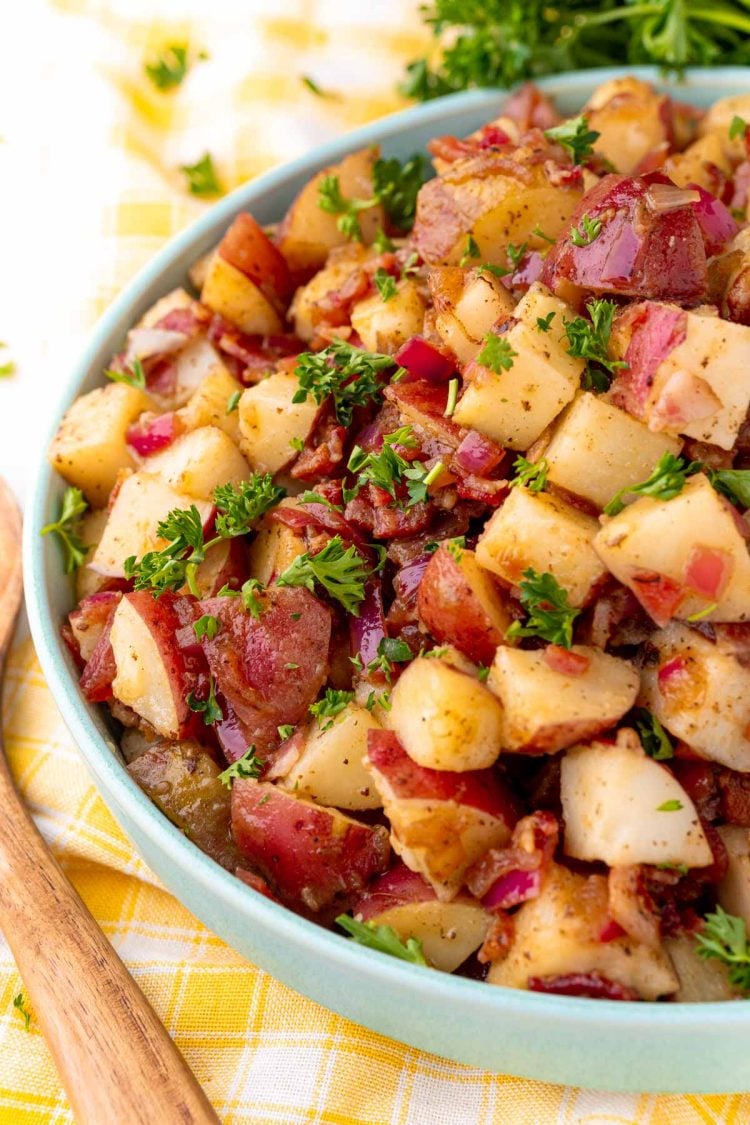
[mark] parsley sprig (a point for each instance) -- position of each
(169, 69)
(496, 353)
(725, 939)
(349, 376)
(530, 474)
(654, 739)
(587, 232)
(328, 708)
(550, 614)
(332, 200)
(383, 938)
(575, 137)
(395, 187)
(19, 1003)
(589, 340)
(667, 480)
(208, 707)
(340, 571)
(66, 528)
(202, 177)
(249, 765)
(732, 483)
(136, 377)
(390, 471)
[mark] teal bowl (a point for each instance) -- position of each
(597, 1043)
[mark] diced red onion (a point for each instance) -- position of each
(407, 580)
(423, 361)
(368, 630)
(669, 670)
(146, 342)
(152, 436)
(513, 888)
(478, 454)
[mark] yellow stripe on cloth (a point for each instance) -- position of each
(107, 146)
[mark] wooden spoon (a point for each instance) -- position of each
(116, 1061)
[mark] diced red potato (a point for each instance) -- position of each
(270, 421)
(269, 669)
(702, 163)
(650, 244)
(89, 619)
(548, 706)
(682, 368)
(209, 404)
(177, 300)
(97, 676)
(273, 549)
(154, 676)
(718, 119)
(467, 303)
(681, 556)
(330, 768)
(516, 405)
(313, 856)
(444, 718)
(182, 779)
(542, 531)
(632, 120)
(307, 233)
(734, 889)
(248, 248)
(225, 564)
(197, 361)
(700, 692)
(90, 449)
(228, 292)
(305, 311)
(384, 326)
(497, 199)
(197, 463)
(594, 432)
(441, 822)
(622, 807)
(141, 503)
(458, 603)
(449, 931)
(559, 933)
(92, 526)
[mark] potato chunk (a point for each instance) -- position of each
(681, 556)
(538, 530)
(269, 420)
(467, 304)
(597, 449)
(701, 693)
(459, 603)
(558, 933)
(209, 404)
(445, 719)
(631, 119)
(383, 326)
(233, 295)
(199, 462)
(342, 262)
(545, 709)
(89, 449)
(330, 769)
(273, 549)
(622, 807)
(515, 406)
(734, 889)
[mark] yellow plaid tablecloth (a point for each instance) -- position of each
(90, 188)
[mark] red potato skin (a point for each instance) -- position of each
(246, 247)
(652, 331)
(100, 670)
(479, 789)
(397, 887)
(249, 660)
(91, 617)
(232, 571)
(312, 856)
(449, 608)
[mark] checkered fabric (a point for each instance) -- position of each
(91, 189)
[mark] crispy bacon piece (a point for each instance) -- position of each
(505, 877)
(592, 985)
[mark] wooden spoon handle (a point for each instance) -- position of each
(116, 1061)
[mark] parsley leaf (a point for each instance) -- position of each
(496, 353)
(733, 483)
(314, 88)
(654, 739)
(176, 563)
(385, 284)
(516, 253)
(209, 708)
(202, 178)
(450, 406)
(249, 765)
(134, 378)
(383, 938)
(350, 376)
(330, 706)
(544, 323)
(66, 527)
(574, 136)
(233, 402)
(334, 202)
(587, 232)
(206, 626)
(737, 128)
(342, 573)
(589, 340)
(550, 615)
(286, 731)
(670, 806)
(382, 243)
(724, 937)
(169, 69)
(388, 470)
(250, 601)
(665, 482)
(242, 505)
(397, 186)
(19, 1004)
(471, 251)
(391, 650)
(530, 474)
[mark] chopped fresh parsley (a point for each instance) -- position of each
(544, 237)
(724, 937)
(19, 1003)
(665, 482)
(285, 731)
(250, 601)
(587, 232)
(334, 202)
(589, 339)
(483, 672)
(391, 650)
(349, 376)
(383, 938)
(291, 666)
(66, 528)
(340, 571)
(169, 69)
(249, 765)
(206, 626)
(385, 283)
(233, 402)
(314, 88)
(242, 505)
(496, 271)
(516, 253)
(654, 738)
(450, 406)
(575, 136)
(737, 128)
(550, 615)
(496, 353)
(330, 707)
(471, 251)
(136, 377)
(382, 243)
(396, 187)
(297, 444)
(8, 367)
(209, 708)
(202, 178)
(530, 474)
(316, 498)
(388, 470)
(733, 483)
(544, 323)
(670, 806)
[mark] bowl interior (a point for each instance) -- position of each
(594, 1043)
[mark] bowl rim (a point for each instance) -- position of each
(109, 774)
